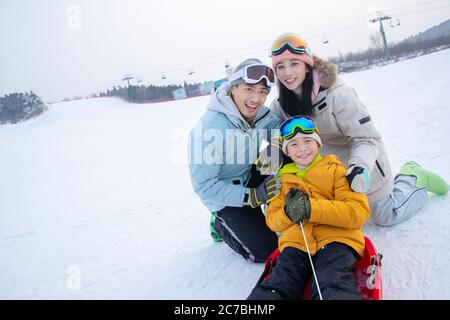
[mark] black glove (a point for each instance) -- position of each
(297, 206)
(358, 178)
(270, 159)
(265, 192)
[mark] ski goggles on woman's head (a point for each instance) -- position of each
(292, 42)
(302, 124)
(254, 74)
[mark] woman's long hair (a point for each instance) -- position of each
(294, 105)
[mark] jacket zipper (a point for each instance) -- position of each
(319, 102)
(254, 124)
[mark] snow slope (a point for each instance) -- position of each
(96, 200)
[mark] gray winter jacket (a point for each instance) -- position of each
(222, 148)
(347, 130)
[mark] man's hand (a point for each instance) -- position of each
(265, 192)
(270, 159)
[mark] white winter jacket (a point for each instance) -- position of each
(347, 129)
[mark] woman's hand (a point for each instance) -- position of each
(358, 178)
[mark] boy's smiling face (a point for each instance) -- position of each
(302, 150)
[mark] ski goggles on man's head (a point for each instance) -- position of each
(254, 74)
(292, 42)
(302, 124)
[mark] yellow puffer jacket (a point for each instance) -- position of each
(337, 212)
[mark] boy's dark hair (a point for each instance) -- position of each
(291, 103)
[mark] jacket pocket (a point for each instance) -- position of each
(325, 119)
(380, 169)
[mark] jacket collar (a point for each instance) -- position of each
(327, 72)
(292, 168)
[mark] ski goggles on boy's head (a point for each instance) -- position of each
(254, 74)
(302, 124)
(292, 42)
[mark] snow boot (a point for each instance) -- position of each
(212, 229)
(425, 178)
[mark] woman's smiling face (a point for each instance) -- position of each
(291, 72)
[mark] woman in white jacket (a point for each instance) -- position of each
(310, 86)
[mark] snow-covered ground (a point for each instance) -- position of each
(96, 200)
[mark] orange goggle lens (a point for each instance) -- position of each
(289, 41)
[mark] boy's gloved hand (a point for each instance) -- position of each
(265, 192)
(358, 178)
(297, 206)
(270, 159)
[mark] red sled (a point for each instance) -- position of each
(367, 270)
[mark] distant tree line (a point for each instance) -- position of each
(152, 93)
(375, 53)
(16, 107)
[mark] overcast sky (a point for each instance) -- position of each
(61, 48)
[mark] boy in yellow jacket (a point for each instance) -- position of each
(315, 193)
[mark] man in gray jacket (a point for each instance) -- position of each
(222, 149)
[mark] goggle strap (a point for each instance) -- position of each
(297, 127)
(242, 74)
(289, 48)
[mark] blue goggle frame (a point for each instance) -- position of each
(302, 124)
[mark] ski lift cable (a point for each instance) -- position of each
(261, 50)
(306, 31)
(247, 53)
(422, 10)
(198, 60)
(338, 30)
(226, 54)
(222, 56)
(390, 11)
(412, 5)
(200, 64)
(309, 37)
